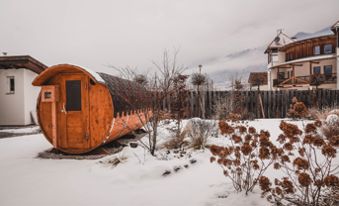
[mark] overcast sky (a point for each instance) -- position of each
(135, 32)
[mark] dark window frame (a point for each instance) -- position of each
(73, 96)
(330, 50)
(281, 75)
(316, 67)
(318, 49)
(326, 67)
(10, 85)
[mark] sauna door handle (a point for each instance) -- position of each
(63, 109)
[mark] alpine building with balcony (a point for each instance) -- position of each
(305, 61)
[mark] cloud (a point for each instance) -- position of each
(135, 32)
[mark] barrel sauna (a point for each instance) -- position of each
(79, 109)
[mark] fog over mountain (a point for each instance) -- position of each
(238, 64)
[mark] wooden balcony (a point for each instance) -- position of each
(313, 80)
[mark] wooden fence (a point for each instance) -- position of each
(274, 104)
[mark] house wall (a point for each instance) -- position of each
(31, 95)
(12, 110)
(16, 109)
(304, 70)
(305, 48)
(281, 57)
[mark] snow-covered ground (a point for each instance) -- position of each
(29, 129)
(137, 180)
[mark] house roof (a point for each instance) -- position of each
(256, 78)
(126, 95)
(280, 40)
(334, 26)
(17, 62)
(305, 36)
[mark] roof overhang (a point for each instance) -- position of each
(50, 72)
(297, 62)
(335, 26)
(18, 62)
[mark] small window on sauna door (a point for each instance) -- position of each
(73, 95)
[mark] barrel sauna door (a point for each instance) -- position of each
(72, 123)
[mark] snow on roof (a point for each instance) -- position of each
(336, 24)
(303, 36)
(280, 40)
(94, 74)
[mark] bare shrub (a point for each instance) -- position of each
(306, 159)
(197, 131)
(194, 135)
(297, 109)
(317, 114)
(231, 104)
(247, 156)
(176, 142)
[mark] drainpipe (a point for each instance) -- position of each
(337, 52)
(269, 79)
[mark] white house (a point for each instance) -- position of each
(17, 94)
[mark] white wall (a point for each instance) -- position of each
(12, 111)
(15, 108)
(31, 94)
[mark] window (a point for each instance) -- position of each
(48, 95)
(316, 50)
(289, 56)
(328, 70)
(328, 48)
(73, 95)
(316, 70)
(10, 85)
(281, 75)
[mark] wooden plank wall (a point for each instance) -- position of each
(275, 103)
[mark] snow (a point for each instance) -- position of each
(303, 36)
(94, 74)
(332, 119)
(32, 129)
(137, 180)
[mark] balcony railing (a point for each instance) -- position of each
(323, 79)
(310, 79)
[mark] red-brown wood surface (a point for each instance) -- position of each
(81, 131)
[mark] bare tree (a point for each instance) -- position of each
(126, 72)
(161, 85)
(199, 80)
(179, 103)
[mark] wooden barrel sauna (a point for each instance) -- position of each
(79, 109)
